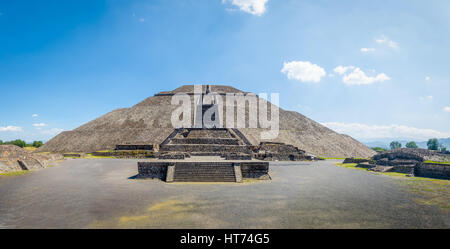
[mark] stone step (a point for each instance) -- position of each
(214, 141)
(206, 154)
(212, 178)
(211, 133)
(204, 180)
(202, 167)
(381, 168)
(204, 176)
(206, 148)
(204, 172)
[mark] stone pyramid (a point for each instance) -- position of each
(149, 122)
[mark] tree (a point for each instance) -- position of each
(442, 148)
(37, 144)
(412, 145)
(19, 143)
(378, 149)
(433, 144)
(395, 145)
(1, 142)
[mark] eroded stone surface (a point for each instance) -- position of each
(14, 158)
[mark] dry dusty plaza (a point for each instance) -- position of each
(132, 169)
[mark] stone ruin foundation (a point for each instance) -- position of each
(408, 161)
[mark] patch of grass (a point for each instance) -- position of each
(30, 148)
(90, 156)
(350, 166)
(15, 173)
(427, 191)
(332, 158)
(165, 213)
(437, 162)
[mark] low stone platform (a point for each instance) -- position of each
(203, 169)
(126, 153)
(134, 147)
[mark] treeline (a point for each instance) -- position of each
(432, 144)
(23, 144)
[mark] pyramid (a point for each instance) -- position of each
(149, 122)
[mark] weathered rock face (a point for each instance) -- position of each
(14, 158)
(149, 122)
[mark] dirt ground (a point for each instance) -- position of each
(101, 193)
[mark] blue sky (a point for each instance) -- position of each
(370, 69)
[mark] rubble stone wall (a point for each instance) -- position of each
(153, 170)
(433, 170)
(134, 147)
(255, 169)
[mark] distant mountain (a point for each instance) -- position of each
(385, 142)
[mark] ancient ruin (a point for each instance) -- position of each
(205, 149)
(14, 158)
(414, 162)
(149, 123)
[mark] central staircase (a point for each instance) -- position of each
(205, 172)
(206, 142)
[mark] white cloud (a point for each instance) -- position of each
(254, 7)
(428, 78)
(447, 109)
(34, 115)
(367, 50)
(341, 69)
(52, 132)
(142, 20)
(384, 40)
(303, 71)
(355, 76)
(426, 99)
(363, 131)
(40, 125)
(11, 128)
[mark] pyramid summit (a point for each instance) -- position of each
(149, 123)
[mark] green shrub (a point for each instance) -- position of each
(412, 145)
(17, 142)
(433, 144)
(37, 144)
(378, 149)
(395, 145)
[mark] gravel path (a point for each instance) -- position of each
(99, 193)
